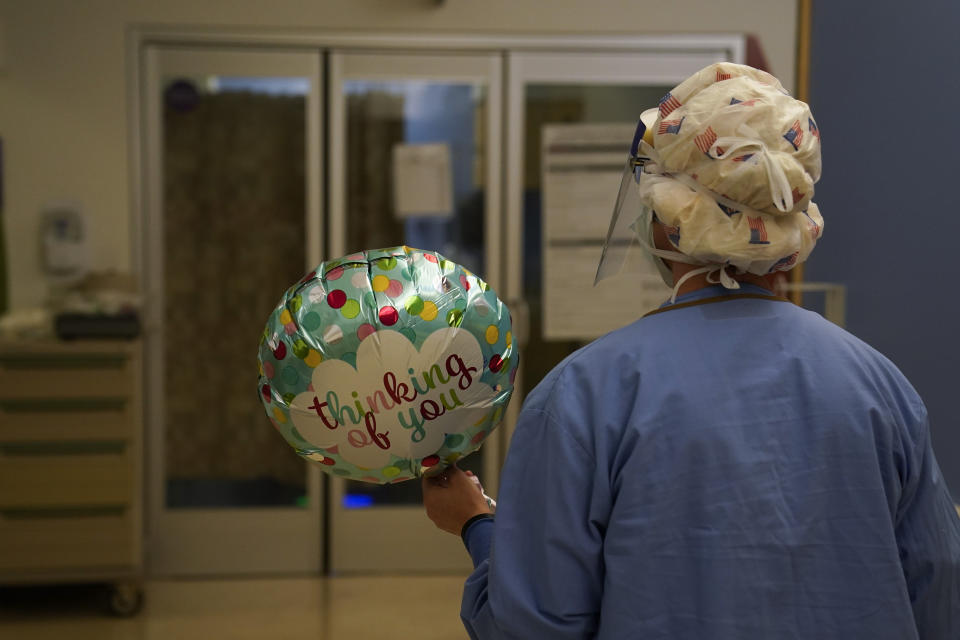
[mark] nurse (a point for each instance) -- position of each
(730, 466)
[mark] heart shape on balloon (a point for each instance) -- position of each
(398, 401)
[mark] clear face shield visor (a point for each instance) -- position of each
(629, 236)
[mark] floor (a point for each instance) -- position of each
(354, 608)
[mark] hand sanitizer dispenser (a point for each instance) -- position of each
(64, 242)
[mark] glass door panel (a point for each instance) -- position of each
(380, 116)
(545, 106)
(232, 150)
(383, 106)
(571, 117)
(233, 154)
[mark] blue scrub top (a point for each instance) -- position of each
(732, 469)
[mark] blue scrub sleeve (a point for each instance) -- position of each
(477, 539)
(544, 576)
(928, 534)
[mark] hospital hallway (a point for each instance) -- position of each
(311, 608)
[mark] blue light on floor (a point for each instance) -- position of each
(357, 501)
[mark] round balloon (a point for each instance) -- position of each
(385, 365)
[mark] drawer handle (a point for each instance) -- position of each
(55, 361)
(64, 512)
(63, 448)
(61, 405)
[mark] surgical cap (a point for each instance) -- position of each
(737, 160)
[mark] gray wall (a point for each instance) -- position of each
(885, 90)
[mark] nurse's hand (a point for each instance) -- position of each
(451, 498)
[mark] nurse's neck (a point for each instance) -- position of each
(699, 281)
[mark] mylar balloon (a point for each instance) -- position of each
(387, 364)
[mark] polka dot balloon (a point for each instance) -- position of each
(386, 365)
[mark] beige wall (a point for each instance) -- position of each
(63, 83)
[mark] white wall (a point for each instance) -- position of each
(63, 95)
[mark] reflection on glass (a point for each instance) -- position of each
(234, 228)
(379, 116)
(546, 104)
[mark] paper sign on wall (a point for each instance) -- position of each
(422, 180)
(582, 165)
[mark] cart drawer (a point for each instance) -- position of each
(42, 419)
(65, 539)
(71, 375)
(70, 474)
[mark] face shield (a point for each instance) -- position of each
(630, 222)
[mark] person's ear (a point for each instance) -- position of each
(660, 240)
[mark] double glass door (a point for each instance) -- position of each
(504, 162)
